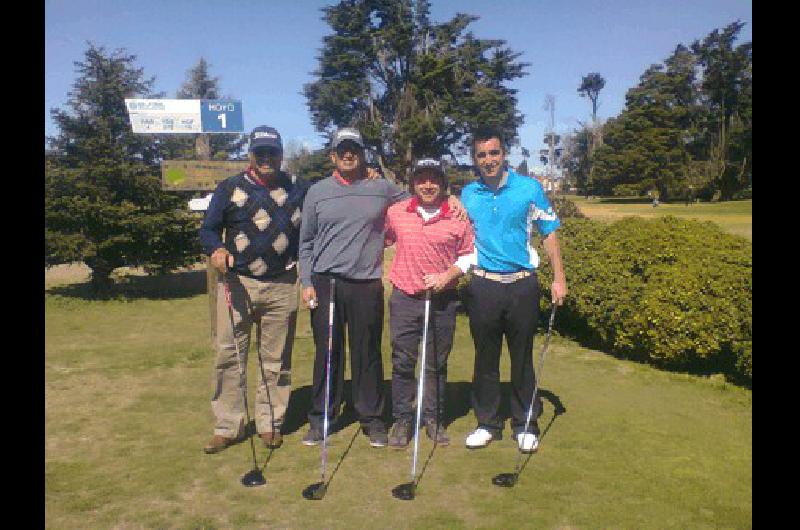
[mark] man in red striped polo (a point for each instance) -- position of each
(433, 249)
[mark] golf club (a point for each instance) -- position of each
(408, 491)
(266, 388)
(317, 491)
(507, 480)
(254, 477)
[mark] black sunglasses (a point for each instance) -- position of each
(265, 152)
(349, 147)
(493, 152)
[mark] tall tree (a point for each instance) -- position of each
(577, 162)
(687, 126)
(647, 146)
(200, 84)
(413, 87)
(727, 81)
(103, 201)
(591, 85)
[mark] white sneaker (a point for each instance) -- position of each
(528, 442)
(479, 438)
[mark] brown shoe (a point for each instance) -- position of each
(271, 439)
(217, 443)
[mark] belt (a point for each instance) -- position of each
(502, 277)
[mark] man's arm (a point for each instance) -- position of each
(211, 231)
(559, 287)
(467, 257)
(305, 252)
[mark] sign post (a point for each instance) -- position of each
(192, 116)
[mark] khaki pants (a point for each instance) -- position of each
(272, 306)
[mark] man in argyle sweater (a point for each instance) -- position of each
(259, 211)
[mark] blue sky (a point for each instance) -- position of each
(264, 51)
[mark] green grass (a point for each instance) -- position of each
(735, 217)
(127, 389)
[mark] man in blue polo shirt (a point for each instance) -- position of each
(503, 294)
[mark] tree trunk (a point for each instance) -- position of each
(202, 147)
(101, 281)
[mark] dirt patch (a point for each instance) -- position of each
(76, 272)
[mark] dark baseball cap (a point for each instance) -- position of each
(347, 133)
(263, 136)
(428, 163)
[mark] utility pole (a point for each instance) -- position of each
(550, 105)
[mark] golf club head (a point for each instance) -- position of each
(254, 477)
(315, 492)
(405, 492)
(505, 480)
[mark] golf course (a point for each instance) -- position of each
(735, 217)
(127, 387)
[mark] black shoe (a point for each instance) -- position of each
(437, 433)
(377, 435)
(401, 434)
(313, 436)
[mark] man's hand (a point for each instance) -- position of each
(310, 297)
(457, 208)
(438, 281)
(221, 260)
(372, 173)
(559, 291)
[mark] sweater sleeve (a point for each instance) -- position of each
(213, 221)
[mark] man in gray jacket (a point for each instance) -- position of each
(341, 237)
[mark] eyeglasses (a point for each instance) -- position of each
(348, 147)
(493, 152)
(262, 155)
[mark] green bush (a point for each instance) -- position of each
(565, 208)
(675, 292)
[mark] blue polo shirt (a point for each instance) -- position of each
(503, 220)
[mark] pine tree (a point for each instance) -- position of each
(200, 84)
(103, 201)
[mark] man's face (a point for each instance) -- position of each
(489, 157)
(348, 157)
(266, 160)
(427, 186)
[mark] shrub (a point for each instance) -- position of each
(565, 208)
(672, 291)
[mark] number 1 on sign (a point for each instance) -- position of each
(221, 117)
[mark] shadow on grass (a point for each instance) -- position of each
(457, 405)
(300, 404)
(558, 410)
(183, 284)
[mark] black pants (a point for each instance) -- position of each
(497, 309)
(359, 306)
(406, 321)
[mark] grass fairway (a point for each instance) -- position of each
(735, 217)
(127, 389)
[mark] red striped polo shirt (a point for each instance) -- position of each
(424, 247)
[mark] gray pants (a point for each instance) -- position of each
(272, 306)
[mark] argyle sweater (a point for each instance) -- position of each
(261, 225)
